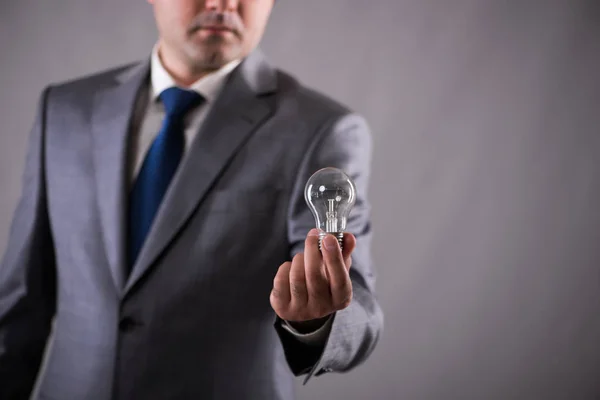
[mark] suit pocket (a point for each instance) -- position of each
(232, 225)
(245, 201)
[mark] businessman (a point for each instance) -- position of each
(162, 248)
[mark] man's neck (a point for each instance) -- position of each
(181, 73)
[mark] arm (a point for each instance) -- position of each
(351, 333)
(27, 278)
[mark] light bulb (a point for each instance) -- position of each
(330, 194)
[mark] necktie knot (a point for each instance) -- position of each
(179, 101)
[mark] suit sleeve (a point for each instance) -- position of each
(27, 277)
(344, 143)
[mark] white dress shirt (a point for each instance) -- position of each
(148, 127)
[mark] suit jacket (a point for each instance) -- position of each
(193, 319)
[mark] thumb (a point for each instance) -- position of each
(349, 244)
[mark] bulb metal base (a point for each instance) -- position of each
(338, 235)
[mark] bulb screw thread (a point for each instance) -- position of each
(338, 235)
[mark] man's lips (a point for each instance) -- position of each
(216, 28)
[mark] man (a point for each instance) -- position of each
(161, 204)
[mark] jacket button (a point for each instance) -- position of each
(127, 324)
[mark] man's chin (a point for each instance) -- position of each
(214, 58)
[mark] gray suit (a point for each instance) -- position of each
(193, 319)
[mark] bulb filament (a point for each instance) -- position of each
(331, 225)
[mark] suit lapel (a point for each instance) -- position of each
(240, 109)
(113, 110)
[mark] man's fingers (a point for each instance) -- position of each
(339, 280)
(298, 281)
(280, 294)
(316, 277)
(316, 282)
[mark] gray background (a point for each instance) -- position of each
(485, 189)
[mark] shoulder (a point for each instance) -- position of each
(306, 101)
(313, 109)
(89, 83)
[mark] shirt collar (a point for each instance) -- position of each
(208, 86)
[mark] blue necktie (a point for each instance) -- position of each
(159, 166)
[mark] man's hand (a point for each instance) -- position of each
(314, 285)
